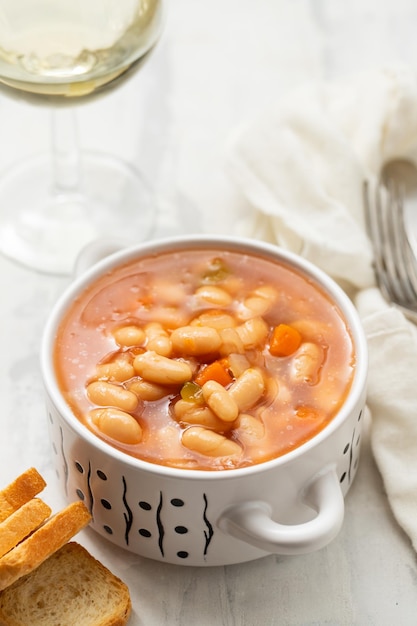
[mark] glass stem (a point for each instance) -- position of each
(65, 150)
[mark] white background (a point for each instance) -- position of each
(218, 64)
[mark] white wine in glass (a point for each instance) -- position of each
(57, 53)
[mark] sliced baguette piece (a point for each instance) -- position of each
(31, 552)
(21, 523)
(70, 588)
(21, 490)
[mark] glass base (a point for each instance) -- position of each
(45, 229)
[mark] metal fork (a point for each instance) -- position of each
(395, 263)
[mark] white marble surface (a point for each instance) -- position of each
(217, 64)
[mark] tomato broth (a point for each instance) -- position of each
(204, 359)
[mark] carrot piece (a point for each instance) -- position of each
(214, 371)
(285, 340)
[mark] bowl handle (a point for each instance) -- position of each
(252, 522)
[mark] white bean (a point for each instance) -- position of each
(267, 292)
(247, 390)
(117, 424)
(220, 401)
(215, 296)
(147, 391)
(250, 428)
(192, 413)
(129, 336)
(170, 292)
(208, 442)
(162, 370)
(119, 370)
(231, 342)
(215, 319)
(306, 363)
(195, 340)
(253, 332)
(169, 316)
(158, 339)
(104, 393)
(259, 302)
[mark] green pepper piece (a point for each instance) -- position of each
(192, 392)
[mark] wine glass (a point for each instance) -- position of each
(58, 53)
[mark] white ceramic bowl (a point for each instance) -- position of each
(289, 505)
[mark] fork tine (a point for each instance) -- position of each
(385, 260)
(377, 233)
(401, 267)
(395, 263)
(408, 271)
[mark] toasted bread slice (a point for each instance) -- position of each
(21, 523)
(21, 490)
(70, 587)
(53, 534)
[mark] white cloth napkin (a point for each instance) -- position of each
(301, 165)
